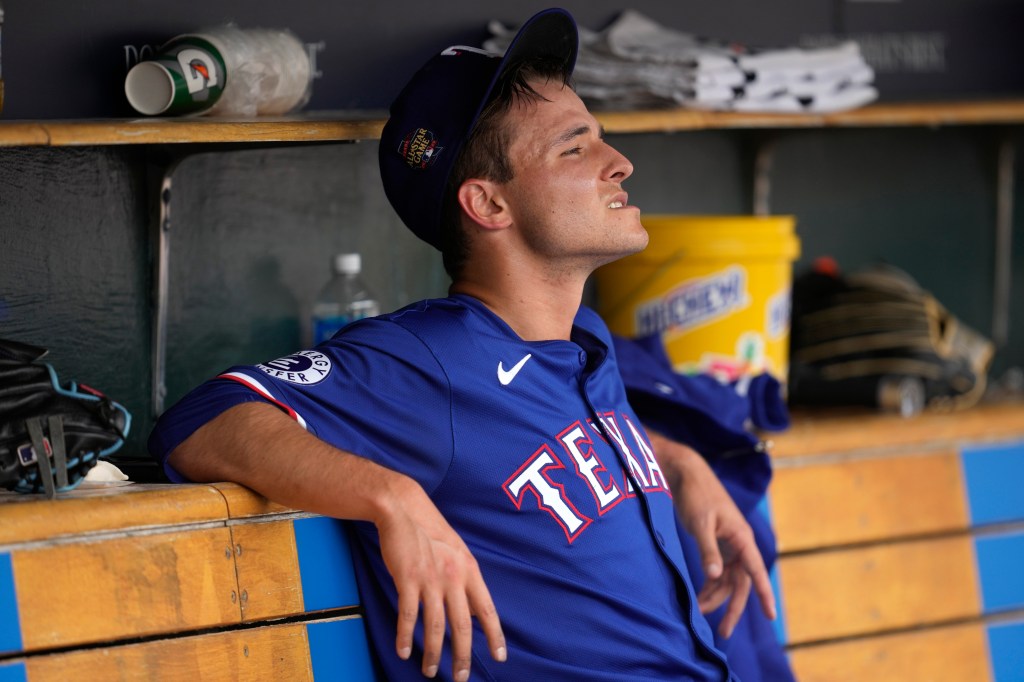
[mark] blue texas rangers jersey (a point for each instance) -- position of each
(533, 455)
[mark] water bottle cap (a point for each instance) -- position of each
(348, 263)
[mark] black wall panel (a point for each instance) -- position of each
(68, 58)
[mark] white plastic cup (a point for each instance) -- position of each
(188, 75)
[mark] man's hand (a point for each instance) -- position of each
(258, 446)
(731, 561)
(432, 566)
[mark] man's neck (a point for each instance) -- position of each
(535, 310)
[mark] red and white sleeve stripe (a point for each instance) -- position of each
(256, 386)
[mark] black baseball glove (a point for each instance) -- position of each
(855, 337)
(51, 435)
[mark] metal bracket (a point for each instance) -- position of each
(163, 164)
(1002, 282)
(163, 161)
(761, 198)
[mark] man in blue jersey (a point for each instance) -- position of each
(482, 443)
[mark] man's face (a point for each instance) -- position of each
(566, 194)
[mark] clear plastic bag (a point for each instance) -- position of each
(268, 71)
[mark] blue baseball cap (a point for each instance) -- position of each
(433, 116)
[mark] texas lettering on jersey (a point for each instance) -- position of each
(608, 479)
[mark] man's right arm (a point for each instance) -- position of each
(258, 446)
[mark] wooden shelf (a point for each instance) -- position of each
(817, 433)
(352, 126)
(336, 127)
(878, 115)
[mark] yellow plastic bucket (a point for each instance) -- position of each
(716, 288)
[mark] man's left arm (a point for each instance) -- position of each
(731, 561)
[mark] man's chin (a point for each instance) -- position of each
(626, 250)
(640, 243)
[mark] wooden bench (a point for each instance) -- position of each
(902, 546)
(902, 559)
(176, 583)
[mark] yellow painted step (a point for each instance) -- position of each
(129, 586)
(267, 653)
(840, 593)
(946, 654)
(845, 502)
(267, 562)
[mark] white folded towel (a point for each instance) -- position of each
(636, 62)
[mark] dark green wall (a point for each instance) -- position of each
(252, 235)
(253, 229)
(253, 239)
(74, 264)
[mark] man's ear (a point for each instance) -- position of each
(483, 203)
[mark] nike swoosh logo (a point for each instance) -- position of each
(505, 376)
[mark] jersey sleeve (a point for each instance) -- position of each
(199, 406)
(375, 390)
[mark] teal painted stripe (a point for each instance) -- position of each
(993, 476)
(1001, 570)
(338, 650)
(765, 508)
(13, 672)
(1006, 651)
(325, 564)
(10, 625)
(779, 624)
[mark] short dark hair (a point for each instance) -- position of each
(485, 154)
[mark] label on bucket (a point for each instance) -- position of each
(778, 312)
(695, 302)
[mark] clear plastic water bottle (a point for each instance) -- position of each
(344, 299)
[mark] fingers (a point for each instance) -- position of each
(741, 575)
(713, 594)
(461, 624)
(754, 565)
(487, 617)
(408, 610)
(755, 568)
(707, 543)
(766, 596)
(736, 605)
(433, 627)
(437, 613)
(734, 587)
(439, 584)
(468, 596)
(450, 599)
